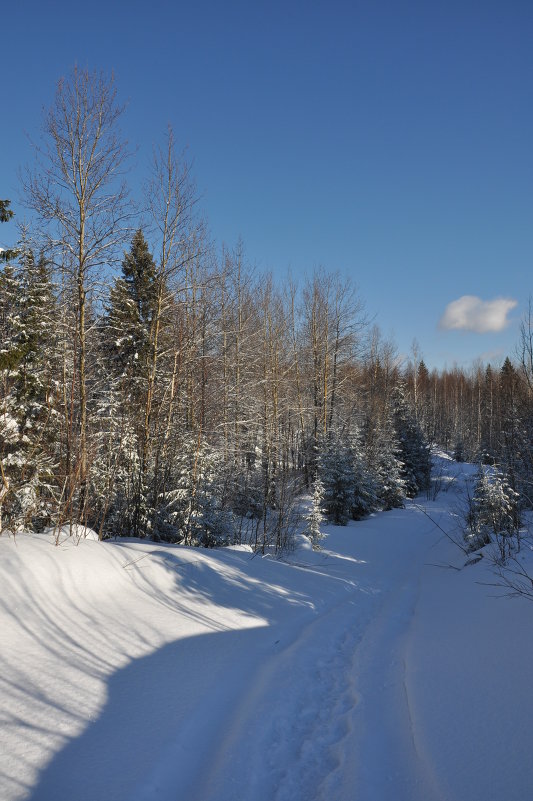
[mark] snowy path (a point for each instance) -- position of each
(137, 672)
(304, 698)
(389, 763)
(334, 703)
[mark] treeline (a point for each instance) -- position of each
(482, 415)
(213, 398)
(152, 387)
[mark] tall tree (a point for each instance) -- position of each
(179, 240)
(413, 448)
(130, 314)
(8, 298)
(10, 355)
(77, 192)
(127, 351)
(27, 361)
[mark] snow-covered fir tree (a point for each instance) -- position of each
(28, 365)
(314, 518)
(126, 346)
(337, 476)
(364, 497)
(383, 459)
(37, 384)
(115, 464)
(130, 313)
(194, 509)
(349, 486)
(493, 513)
(414, 452)
(11, 459)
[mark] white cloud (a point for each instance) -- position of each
(470, 313)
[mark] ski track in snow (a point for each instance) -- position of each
(390, 763)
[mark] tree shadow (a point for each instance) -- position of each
(162, 714)
(169, 698)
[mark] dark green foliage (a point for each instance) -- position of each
(388, 473)
(364, 496)
(27, 366)
(347, 484)
(6, 214)
(246, 489)
(11, 345)
(125, 355)
(195, 511)
(337, 476)
(130, 314)
(414, 451)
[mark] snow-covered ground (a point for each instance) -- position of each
(370, 670)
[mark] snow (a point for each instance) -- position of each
(70, 534)
(378, 667)
(9, 427)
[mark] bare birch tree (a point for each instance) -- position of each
(77, 190)
(172, 200)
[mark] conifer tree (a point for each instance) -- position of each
(27, 365)
(6, 214)
(126, 333)
(493, 513)
(364, 499)
(386, 467)
(10, 325)
(130, 314)
(413, 449)
(9, 358)
(315, 518)
(195, 510)
(336, 474)
(510, 422)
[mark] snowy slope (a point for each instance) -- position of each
(369, 670)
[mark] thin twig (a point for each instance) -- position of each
(446, 534)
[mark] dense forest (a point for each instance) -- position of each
(154, 385)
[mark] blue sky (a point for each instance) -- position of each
(391, 141)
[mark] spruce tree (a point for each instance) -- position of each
(336, 473)
(195, 510)
(130, 314)
(493, 513)
(29, 422)
(10, 461)
(364, 497)
(413, 449)
(11, 348)
(314, 517)
(383, 458)
(6, 214)
(126, 346)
